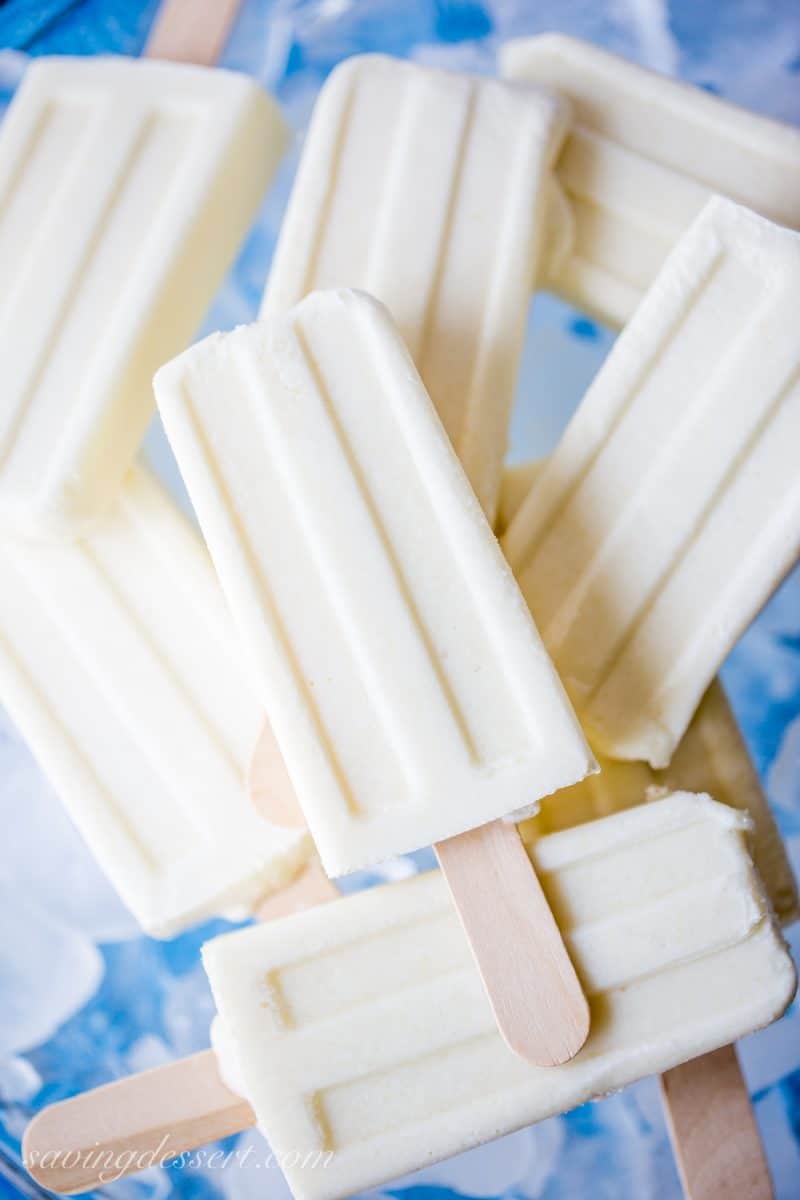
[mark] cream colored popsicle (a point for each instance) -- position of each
(671, 508)
(125, 189)
(643, 157)
(428, 189)
(121, 669)
(406, 684)
(361, 1028)
(362, 1036)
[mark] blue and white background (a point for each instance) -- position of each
(83, 997)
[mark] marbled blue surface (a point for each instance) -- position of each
(84, 998)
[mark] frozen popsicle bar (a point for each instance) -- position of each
(404, 679)
(121, 669)
(429, 190)
(644, 155)
(361, 1028)
(125, 189)
(671, 508)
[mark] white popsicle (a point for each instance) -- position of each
(361, 1028)
(671, 508)
(125, 189)
(121, 669)
(428, 190)
(406, 684)
(643, 157)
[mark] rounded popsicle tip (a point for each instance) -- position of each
(548, 1040)
(135, 1123)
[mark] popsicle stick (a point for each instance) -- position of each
(713, 1130)
(310, 888)
(132, 1124)
(271, 790)
(191, 32)
(272, 795)
(533, 989)
(535, 995)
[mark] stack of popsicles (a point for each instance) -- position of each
(344, 457)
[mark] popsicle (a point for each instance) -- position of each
(429, 190)
(125, 189)
(361, 589)
(670, 509)
(405, 682)
(121, 668)
(644, 155)
(360, 1035)
(711, 757)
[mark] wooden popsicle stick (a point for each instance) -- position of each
(533, 989)
(535, 994)
(269, 786)
(272, 795)
(713, 1129)
(308, 889)
(135, 1123)
(191, 31)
